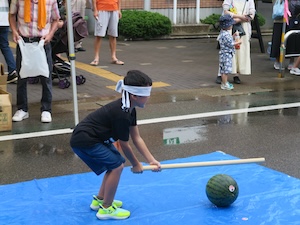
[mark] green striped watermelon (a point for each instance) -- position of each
(222, 190)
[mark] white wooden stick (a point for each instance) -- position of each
(208, 163)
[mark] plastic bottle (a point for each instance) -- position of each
(237, 38)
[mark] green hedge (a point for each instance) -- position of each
(213, 20)
(136, 24)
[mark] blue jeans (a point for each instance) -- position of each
(5, 49)
(46, 101)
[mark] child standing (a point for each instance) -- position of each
(227, 50)
(92, 140)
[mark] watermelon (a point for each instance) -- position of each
(222, 190)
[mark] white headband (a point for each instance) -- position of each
(135, 90)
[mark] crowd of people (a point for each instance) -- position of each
(17, 16)
(107, 15)
(244, 13)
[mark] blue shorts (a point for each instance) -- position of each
(101, 157)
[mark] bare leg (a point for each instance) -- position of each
(97, 45)
(109, 185)
(297, 62)
(113, 47)
(224, 78)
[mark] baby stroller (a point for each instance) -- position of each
(62, 69)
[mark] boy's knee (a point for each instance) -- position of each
(119, 168)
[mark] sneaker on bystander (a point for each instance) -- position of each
(227, 86)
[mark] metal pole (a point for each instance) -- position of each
(147, 5)
(174, 11)
(72, 59)
(197, 11)
(282, 51)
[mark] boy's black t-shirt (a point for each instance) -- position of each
(108, 123)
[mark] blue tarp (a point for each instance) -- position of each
(171, 197)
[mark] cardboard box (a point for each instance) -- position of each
(5, 104)
(3, 80)
(5, 111)
(1, 69)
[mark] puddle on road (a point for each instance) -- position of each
(183, 135)
(193, 134)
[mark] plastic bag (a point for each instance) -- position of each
(278, 10)
(34, 60)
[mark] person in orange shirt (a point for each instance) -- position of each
(107, 14)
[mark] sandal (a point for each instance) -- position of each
(117, 62)
(94, 62)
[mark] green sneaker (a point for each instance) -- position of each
(112, 212)
(96, 202)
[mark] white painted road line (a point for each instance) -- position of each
(218, 113)
(159, 120)
(35, 134)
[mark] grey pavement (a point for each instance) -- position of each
(184, 64)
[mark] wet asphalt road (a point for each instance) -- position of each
(188, 66)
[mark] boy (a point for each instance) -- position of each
(93, 138)
(226, 49)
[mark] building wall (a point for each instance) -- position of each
(160, 4)
(186, 11)
(187, 15)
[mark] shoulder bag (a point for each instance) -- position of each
(238, 26)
